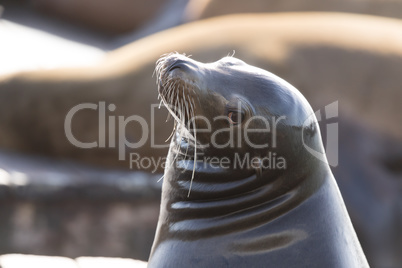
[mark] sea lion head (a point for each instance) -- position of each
(234, 110)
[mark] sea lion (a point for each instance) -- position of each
(201, 9)
(112, 17)
(224, 215)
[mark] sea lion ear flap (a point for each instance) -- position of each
(256, 164)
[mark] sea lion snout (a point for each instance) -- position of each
(178, 70)
(179, 64)
(174, 63)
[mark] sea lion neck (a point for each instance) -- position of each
(204, 174)
(227, 200)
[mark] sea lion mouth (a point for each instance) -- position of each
(176, 92)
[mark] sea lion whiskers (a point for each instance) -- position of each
(181, 129)
(195, 146)
(168, 102)
(233, 53)
(173, 131)
(167, 90)
(175, 103)
(170, 93)
(188, 115)
(181, 108)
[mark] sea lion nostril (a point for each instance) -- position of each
(179, 64)
(175, 66)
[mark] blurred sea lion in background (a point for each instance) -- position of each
(109, 16)
(58, 42)
(125, 16)
(201, 9)
(354, 59)
(104, 24)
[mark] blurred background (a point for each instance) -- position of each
(60, 200)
